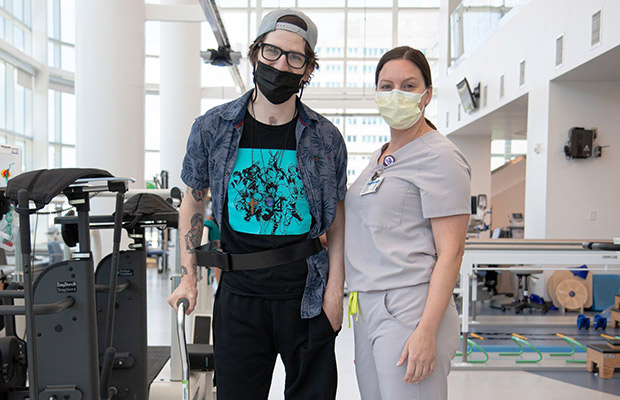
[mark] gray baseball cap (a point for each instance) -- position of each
(270, 23)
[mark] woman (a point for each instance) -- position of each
(406, 220)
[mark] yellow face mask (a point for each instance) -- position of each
(399, 109)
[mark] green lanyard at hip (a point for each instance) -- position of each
(354, 307)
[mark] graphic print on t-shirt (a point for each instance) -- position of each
(267, 199)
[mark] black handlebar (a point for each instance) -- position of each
(103, 288)
(183, 301)
(604, 246)
(39, 309)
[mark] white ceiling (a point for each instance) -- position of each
(508, 122)
(605, 67)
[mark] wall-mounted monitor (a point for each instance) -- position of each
(469, 98)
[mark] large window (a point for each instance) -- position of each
(16, 107)
(16, 24)
(61, 34)
(61, 129)
(19, 115)
(151, 137)
(16, 77)
(473, 22)
(22, 101)
(152, 51)
(350, 43)
(3, 93)
(61, 100)
(364, 132)
(503, 151)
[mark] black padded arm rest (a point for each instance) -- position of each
(45, 184)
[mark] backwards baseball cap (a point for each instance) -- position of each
(270, 23)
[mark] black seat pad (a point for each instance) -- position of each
(144, 204)
(45, 184)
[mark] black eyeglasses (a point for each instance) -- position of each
(273, 53)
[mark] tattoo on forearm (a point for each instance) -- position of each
(199, 195)
(185, 272)
(194, 236)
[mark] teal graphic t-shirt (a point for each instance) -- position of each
(266, 208)
(266, 195)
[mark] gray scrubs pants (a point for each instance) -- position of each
(386, 320)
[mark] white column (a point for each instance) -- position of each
(536, 190)
(109, 86)
(477, 150)
(179, 90)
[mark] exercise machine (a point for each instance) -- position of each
(61, 329)
(134, 365)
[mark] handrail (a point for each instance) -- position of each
(39, 309)
(103, 288)
(11, 294)
(100, 288)
(603, 246)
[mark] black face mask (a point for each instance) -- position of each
(277, 86)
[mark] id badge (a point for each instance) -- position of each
(372, 185)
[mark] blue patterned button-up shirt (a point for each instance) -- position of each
(321, 158)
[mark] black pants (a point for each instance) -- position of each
(249, 333)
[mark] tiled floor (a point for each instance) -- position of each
(510, 385)
(463, 385)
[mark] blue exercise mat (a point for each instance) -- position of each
(604, 289)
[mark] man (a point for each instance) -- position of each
(277, 174)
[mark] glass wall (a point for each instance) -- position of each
(151, 136)
(16, 107)
(18, 77)
(350, 42)
(61, 100)
(473, 22)
(61, 129)
(16, 24)
(61, 34)
(353, 34)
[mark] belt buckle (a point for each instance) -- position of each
(225, 260)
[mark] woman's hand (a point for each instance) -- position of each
(419, 353)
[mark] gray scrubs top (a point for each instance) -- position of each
(388, 237)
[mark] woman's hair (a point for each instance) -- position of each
(291, 19)
(416, 57)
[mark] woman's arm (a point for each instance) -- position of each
(419, 351)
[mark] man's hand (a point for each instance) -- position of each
(186, 290)
(332, 305)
